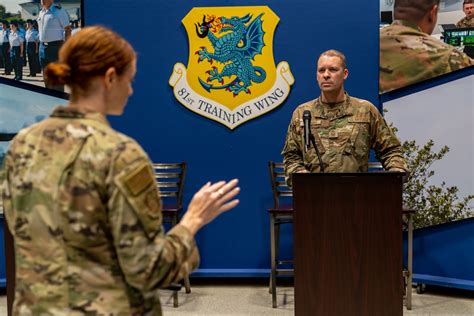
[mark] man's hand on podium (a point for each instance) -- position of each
(396, 170)
(302, 171)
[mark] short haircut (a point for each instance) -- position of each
(413, 10)
(335, 53)
(467, 2)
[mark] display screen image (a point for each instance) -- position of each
(21, 108)
(29, 40)
(410, 54)
(463, 39)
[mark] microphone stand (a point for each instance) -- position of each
(313, 141)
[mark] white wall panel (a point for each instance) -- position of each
(445, 114)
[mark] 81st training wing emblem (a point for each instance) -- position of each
(231, 76)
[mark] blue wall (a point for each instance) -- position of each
(238, 240)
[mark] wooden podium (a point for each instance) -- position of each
(348, 244)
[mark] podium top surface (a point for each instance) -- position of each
(351, 174)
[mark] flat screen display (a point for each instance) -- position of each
(31, 35)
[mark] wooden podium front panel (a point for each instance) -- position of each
(348, 244)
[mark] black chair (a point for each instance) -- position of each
(169, 179)
(281, 213)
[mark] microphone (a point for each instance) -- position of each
(307, 130)
(309, 137)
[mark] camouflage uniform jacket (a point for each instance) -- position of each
(343, 138)
(467, 21)
(84, 210)
(407, 56)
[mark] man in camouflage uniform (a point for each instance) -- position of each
(82, 204)
(345, 128)
(468, 20)
(408, 54)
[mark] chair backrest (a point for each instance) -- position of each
(170, 181)
(279, 187)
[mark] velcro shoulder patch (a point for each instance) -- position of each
(139, 179)
(360, 117)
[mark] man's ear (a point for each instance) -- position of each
(433, 14)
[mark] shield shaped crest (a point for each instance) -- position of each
(231, 75)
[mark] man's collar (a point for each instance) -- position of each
(320, 111)
(406, 23)
(51, 7)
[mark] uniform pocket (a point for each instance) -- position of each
(360, 137)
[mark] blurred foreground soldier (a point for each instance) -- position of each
(32, 43)
(408, 54)
(81, 200)
(5, 47)
(468, 20)
(75, 27)
(22, 31)
(16, 50)
(345, 128)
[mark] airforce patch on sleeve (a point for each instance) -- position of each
(139, 179)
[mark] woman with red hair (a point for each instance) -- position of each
(81, 200)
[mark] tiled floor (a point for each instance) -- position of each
(254, 299)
